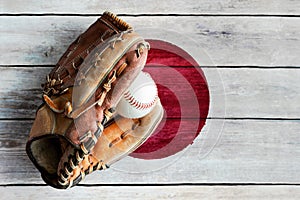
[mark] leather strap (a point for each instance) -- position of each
(63, 75)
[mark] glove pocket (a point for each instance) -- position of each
(47, 142)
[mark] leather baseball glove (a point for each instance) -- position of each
(76, 130)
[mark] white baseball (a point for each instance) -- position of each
(140, 97)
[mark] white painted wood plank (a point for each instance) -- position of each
(228, 41)
(156, 192)
(246, 151)
(288, 7)
(242, 93)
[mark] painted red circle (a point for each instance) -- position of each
(177, 128)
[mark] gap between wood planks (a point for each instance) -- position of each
(152, 15)
(213, 118)
(161, 184)
(212, 67)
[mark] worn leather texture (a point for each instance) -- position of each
(119, 138)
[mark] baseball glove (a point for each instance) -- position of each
(76, 130)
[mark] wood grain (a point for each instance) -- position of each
(228, 41)
(155, 192)
(256, 41)
(255, 93)
(243, 151)
(269, 7)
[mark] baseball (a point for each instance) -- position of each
(140, 97)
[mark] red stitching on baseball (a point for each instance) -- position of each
(139, 105)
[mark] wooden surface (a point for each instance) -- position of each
(148, 192)
(250, 146)
(229, 41)
(128, 7)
